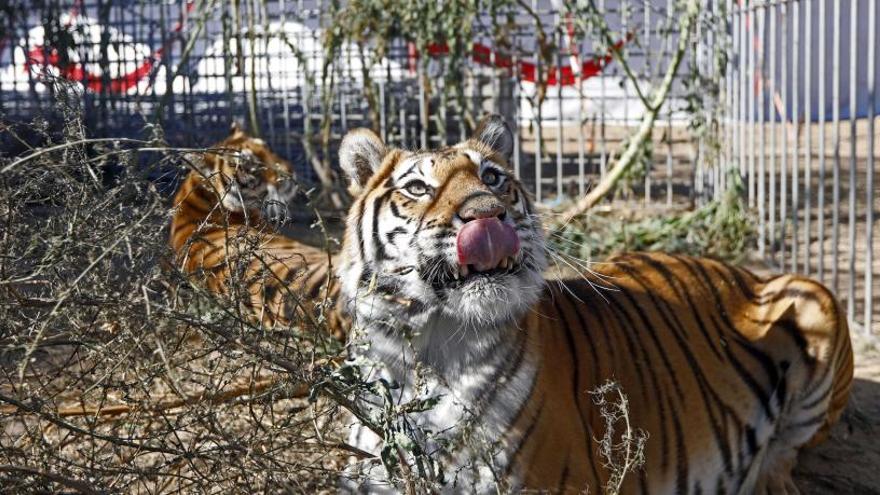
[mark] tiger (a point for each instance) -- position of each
(728, 375)
(223, 234)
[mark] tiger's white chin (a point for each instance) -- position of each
(486, 299)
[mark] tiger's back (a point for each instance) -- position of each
(728, 374)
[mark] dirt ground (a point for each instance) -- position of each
(849, 462)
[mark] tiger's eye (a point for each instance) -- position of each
(416, 188)
(491, 177)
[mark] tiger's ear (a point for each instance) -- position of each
(235, 129)
(494, 133)
(360, 155)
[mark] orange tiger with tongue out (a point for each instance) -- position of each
(441, 268)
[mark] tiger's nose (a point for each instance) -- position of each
(477, 209)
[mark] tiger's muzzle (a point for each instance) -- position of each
(486, 244)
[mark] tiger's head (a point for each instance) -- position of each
(249, 176)
(449, 232)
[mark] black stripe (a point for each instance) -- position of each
(396, 211)
(681, 337)
(835, 363)
(672, 281)
(501, 375)
(269, 291)
(792, 292)
(812, 421)
(750, 381)
(409, 170)
(563, 480)
(627, 327)
(417, 307)
(193, 202)
(736, 275)
(391, 234)
(513, 454)
(576, 365)
(525, 403)
(366, 275)
(706, 390)
(681, 474)
(842, 346)
(384, 288)
(818, 400)
(315, 289)
(670, 372)
(664, 354)
(615, 311)
(585, 331)
(766, 362)
(587, 294)
(359, 226)
(379, 247)
(700, 274)
(782, 384)
(751, 441)
(792, 330)
(643, 481)
(576, 379)
(720, 487)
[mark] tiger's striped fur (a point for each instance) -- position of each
(219, 231)
(728, 373)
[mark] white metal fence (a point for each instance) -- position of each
(801, 97)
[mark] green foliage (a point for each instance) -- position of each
(722, 228)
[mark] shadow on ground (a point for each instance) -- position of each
(849, 462)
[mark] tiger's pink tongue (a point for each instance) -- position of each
(485, 242)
